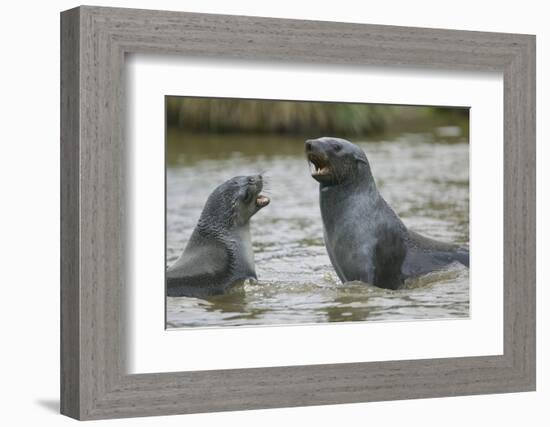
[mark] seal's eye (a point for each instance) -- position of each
(336, 147)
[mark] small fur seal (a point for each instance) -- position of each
(364, 237)
(219, 252)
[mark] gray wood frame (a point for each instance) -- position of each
(94, 41)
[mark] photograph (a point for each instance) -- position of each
(282, 212)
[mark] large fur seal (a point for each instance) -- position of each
(364, 237)
(219, 252)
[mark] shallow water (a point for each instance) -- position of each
(423, 177)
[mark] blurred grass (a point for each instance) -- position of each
(231, 115)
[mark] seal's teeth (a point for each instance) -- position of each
(312, 168)
(262, 201)
(322, 170)
(319, 168)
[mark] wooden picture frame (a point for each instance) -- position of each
(94, 382)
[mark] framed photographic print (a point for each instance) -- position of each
(282, 213)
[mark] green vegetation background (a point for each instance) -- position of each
(231, 115)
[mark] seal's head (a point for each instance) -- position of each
(336, 161)
(234, 202)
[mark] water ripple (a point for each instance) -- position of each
(425, 182)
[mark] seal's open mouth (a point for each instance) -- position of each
(262, 201)
(320, 164)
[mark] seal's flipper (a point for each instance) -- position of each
(208, 258)
(425, 255)
(200, 271)
(389, 254)
(419, 241)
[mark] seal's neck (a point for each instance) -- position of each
(242, 233)
(220, 230)
(241, 245)
(361, 182)
(236, 242)
(357, 197)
